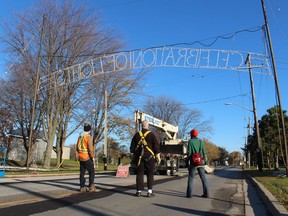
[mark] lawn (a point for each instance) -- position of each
(275, 182)
(67, 166)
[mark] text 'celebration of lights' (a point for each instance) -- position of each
(156, 57)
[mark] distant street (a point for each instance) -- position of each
(59, 195)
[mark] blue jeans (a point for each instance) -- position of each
(86, 165)
(201, 172)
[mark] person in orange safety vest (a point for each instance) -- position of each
(85, 152)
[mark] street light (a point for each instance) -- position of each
(259, 150)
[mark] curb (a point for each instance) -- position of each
(273, 204)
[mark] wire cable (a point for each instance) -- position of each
(219, 99)
(201, 42)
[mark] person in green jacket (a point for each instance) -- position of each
(196, 146)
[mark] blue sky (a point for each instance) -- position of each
(149, 23)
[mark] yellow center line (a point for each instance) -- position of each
(21, 201)
(35, 199)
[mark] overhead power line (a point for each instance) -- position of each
(214, 100)
(201, 42)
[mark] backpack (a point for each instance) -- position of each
(197, 158)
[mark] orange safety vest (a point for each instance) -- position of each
(82, 148)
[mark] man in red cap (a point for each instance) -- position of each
(196, 146)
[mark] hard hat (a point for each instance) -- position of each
(193, 133)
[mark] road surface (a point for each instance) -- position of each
(230, 194)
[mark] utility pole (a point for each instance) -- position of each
(105, 131)
(249, 153)
(276, 84)
(259, 146)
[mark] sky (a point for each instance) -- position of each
(199, 24)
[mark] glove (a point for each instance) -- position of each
(158, 159)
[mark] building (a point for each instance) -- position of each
(18, 152)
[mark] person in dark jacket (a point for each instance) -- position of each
(144, 153)
(196, 146)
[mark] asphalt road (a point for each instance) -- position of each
(230, 194)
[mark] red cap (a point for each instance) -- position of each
(193, 133)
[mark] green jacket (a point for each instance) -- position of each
(195, 145)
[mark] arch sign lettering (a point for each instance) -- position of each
(157, 57)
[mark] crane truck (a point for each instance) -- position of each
(173, 150)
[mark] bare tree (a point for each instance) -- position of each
(16, 96)
(72, 34)
(6, 125)
(120, 90)
(175, 113)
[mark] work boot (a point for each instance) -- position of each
(82, 189)
(92, 188)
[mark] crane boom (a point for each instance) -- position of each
(169, 129)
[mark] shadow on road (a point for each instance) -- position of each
(190, 211)
(232, 174)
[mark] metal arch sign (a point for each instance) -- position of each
(156, 57)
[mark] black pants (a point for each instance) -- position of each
(86, 165)
(149, 167)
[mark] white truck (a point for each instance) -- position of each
(173, 150)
